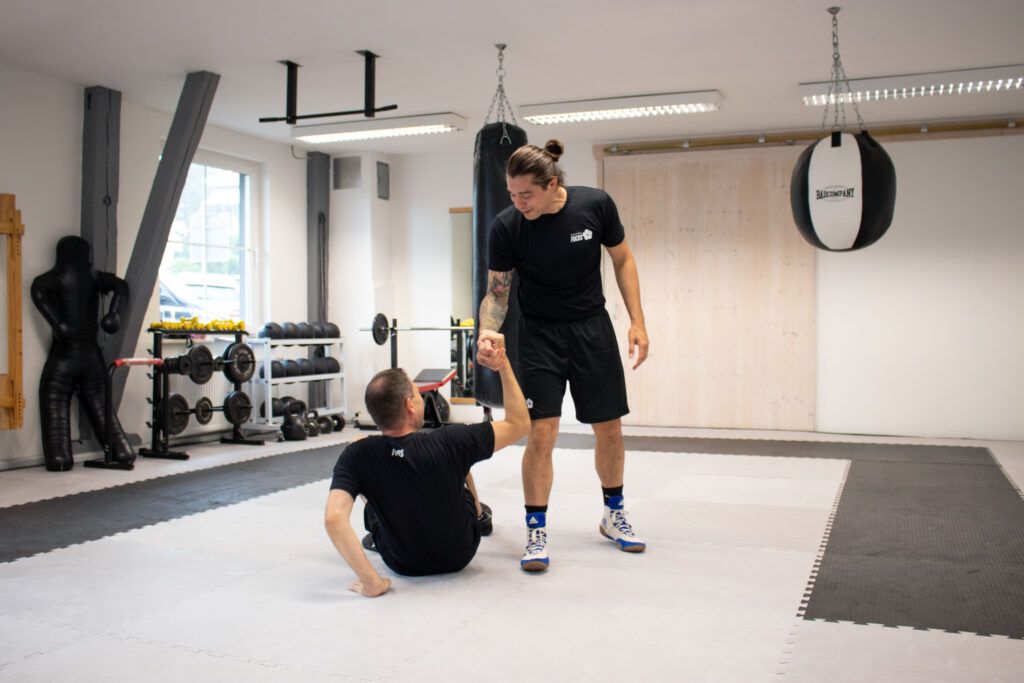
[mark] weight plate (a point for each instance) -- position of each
(239, 363)
(339, 422)
(202, 364)
(380, 329)
(177, 413)
(444, 409)
(204, 411)
(237, 407)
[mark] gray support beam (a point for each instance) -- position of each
(101, 149)
(318, 200)
(101, 156)
(143, 268)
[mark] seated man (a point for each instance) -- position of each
(420, 512)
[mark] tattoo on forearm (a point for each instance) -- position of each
(499, 285)
(494, 307)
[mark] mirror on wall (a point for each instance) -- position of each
(462, 302)
(462, 263)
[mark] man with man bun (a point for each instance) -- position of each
(552, 238)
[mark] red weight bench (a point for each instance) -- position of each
(436, 410)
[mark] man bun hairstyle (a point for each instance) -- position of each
(555, 148)
(541, 164)
(385, 397)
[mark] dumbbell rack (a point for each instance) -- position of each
(263, 382)
(161, 390)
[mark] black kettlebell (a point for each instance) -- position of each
(295, 427)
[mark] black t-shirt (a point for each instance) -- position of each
(415, 484)
(557, 256)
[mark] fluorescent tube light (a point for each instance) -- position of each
(622, 107)
(962, 82)
(373, 128)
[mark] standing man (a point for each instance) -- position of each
(420, 514)
(552, 237)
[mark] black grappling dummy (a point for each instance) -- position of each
(69, 298)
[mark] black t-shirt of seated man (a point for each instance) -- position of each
(415, 485)
(557, 256)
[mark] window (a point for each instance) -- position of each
(208, 265)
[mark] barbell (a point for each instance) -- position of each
(382, 331)
(237, 408)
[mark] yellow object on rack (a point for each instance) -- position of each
(194, 324)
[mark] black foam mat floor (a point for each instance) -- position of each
(46, 525)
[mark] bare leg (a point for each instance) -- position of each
(609, 453)
(538, 472)
(471, 485)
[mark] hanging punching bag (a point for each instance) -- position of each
(843, 192)
(494, 145)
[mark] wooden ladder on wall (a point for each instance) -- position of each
(12, 400)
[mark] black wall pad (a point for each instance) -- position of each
(46, 525)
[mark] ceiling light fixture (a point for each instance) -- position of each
(962, 82)
(622, 107)
(371, 129)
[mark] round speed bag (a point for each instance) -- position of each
(843, 192)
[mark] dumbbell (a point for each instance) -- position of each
(276, 408)
(310, 330)
(237, 408)
(276, 369)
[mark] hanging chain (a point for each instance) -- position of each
(500, 98)
(836, 97)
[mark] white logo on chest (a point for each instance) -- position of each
(581, 236)
(398, 452)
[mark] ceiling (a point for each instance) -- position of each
(439, 56)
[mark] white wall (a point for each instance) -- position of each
(920, 334)
(41, 161)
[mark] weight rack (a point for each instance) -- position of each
(161, 390)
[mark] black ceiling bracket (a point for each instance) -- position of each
(369, 109)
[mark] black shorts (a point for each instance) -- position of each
(581, 352)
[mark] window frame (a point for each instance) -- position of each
(253, 251)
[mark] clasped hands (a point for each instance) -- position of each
(490, 350)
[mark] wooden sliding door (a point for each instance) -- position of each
(727, 285)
